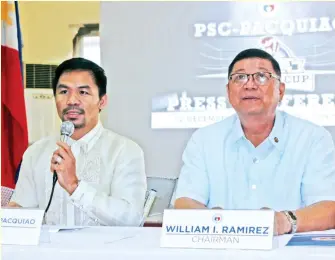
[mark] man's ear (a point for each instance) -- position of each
(282, 88)
(228, 93)
(103, 102)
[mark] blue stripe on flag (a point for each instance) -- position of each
(19, 39)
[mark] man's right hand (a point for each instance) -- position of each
(13, 204)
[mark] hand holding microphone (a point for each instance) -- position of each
(63, 162)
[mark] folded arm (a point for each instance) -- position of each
(317, 188)
(319, 216)
(192, 188)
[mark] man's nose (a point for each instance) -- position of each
(250, 84)
(73, 99)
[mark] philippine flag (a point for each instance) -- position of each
(14, 133)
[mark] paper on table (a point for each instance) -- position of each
(312, 240)
(75, 236)
(65, 228)
(281, 241)
(117, 238)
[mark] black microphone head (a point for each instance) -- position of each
(67, 128)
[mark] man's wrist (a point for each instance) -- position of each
(73, 187)
(292, 221)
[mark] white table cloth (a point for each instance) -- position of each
(122, 243)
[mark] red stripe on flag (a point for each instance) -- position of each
(14, 132)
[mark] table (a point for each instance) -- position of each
(126, 243)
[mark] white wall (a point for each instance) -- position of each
(41, 112)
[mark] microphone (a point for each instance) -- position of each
(66, 130)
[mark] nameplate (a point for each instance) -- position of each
(21, 226)
(218, 229)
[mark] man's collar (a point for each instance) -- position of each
(90, 135)
(237, 131)
(276, 136)
(89, 139)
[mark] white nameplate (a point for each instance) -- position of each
(238, 229)
(21, 226)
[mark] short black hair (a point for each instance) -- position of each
(255, 53)
(81, 64)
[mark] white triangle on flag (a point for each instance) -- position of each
(8, 25)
